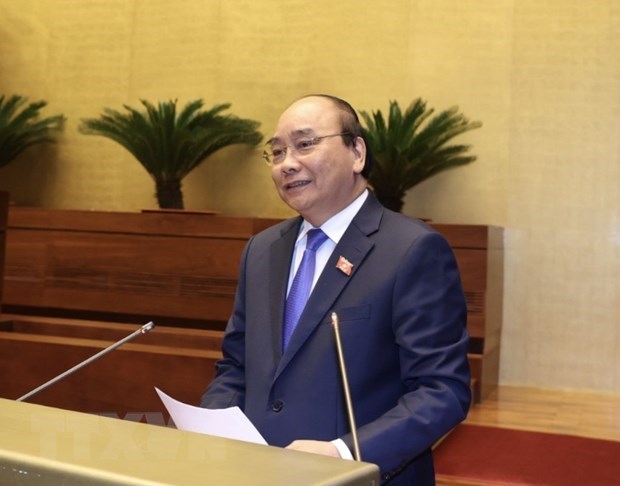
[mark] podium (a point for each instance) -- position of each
(44, 445)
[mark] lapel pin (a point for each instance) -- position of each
(345, 266)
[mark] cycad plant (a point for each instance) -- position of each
(409, 151)
(169, 145)
(20, 126)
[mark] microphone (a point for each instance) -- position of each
(143, 330)
(347, 393)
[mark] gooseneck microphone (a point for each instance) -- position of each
(143, 330)
(347, 393)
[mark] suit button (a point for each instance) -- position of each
(277, 406)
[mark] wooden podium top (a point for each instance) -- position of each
(43, 445)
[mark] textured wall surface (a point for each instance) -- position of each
(542, 75)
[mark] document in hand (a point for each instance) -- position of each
(230, 423)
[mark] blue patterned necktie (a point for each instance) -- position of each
(302, 284)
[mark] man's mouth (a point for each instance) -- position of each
(296, 184)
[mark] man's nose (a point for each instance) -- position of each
(290, 161)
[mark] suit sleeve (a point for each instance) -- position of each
(429, 326)
(228, 387)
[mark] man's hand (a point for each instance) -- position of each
(314, 446)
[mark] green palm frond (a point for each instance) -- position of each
(20, 127)
(413, 146)
(169, 145)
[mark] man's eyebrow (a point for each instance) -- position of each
(304, 132)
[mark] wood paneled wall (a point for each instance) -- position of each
(179, 270)
(34, 350)
(4, 208)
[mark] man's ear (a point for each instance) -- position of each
(359, 149)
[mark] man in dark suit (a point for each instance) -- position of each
(392, 280)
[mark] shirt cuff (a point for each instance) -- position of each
(343, 450)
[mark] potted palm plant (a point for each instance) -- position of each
(411, 147)
(21, 127)
(169, 145)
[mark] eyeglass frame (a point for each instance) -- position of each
(314, 141)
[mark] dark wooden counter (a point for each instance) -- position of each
(89, 268)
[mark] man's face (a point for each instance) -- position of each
(324, 181)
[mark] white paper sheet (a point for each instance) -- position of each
(226, 422)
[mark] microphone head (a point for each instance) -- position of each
(149, 326)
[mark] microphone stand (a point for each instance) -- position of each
(143, 330)
(347, 393)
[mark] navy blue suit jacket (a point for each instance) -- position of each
(402, 322)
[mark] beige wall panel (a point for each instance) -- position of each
(563, 205)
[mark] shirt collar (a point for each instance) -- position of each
(335, 226)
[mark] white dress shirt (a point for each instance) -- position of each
(334, 228)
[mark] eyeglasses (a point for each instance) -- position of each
(301, 147)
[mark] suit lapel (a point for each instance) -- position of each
(354, 246)
(281, 253)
